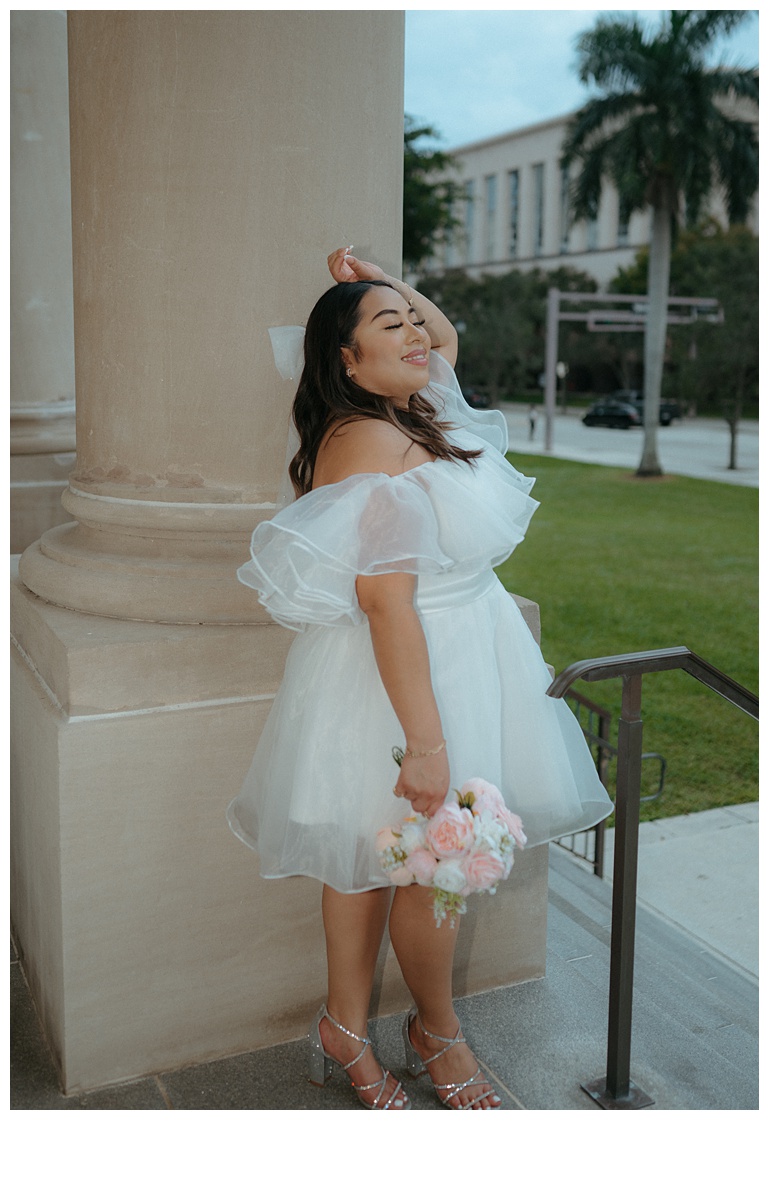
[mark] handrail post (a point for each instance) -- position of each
(617, 1090)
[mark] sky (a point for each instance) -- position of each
(474, 74)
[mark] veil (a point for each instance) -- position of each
(443, 391)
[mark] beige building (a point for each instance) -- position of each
(207, 164)
(517, 215)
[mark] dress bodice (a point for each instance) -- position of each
(445, 521)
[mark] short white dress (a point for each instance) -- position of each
(320, 785)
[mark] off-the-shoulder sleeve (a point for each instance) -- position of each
(305, 561)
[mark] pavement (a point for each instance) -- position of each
(697, 447)
(699, 873)
(695, 1002)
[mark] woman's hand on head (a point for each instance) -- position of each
(424, 782)
(345, 268)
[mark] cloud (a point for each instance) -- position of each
(477, 74)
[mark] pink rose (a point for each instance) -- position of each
(422, 865)
(514, 826)
(401, 876)
(487, 797)
(483, 870)
(450, 831)
(385, 839)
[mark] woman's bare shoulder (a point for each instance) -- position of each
(365, 447)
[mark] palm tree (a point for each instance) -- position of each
(660, 131)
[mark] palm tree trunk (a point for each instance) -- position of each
(655, 334)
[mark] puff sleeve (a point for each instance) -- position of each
(304, 562)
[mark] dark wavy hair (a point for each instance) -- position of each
(327, 396)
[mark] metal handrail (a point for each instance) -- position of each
(616, 1089)
(647, 661)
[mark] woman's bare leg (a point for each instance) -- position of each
(426, 957)
(354, 925)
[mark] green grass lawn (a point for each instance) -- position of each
(620, 564)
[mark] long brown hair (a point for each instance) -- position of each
(327, 395)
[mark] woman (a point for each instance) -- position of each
(384, 563)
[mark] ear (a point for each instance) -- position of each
(348, 359)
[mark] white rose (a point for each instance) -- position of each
(412, 835)
(449, 876)
(488, 831)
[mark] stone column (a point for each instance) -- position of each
(199, 186)
(42, 339)
(216, 158)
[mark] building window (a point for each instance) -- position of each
(491, 215)
(514, 193)
(453, 241)
(469, 220)
(565, 211)
(539, 208)
(623, 224)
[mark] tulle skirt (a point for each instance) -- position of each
(320, 785)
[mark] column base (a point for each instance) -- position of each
(167, 560)
(37, 483)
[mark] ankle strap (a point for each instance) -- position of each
(365, 1041)
(452, 1041)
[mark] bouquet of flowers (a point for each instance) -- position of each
(467, 846)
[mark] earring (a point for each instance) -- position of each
(350, 372)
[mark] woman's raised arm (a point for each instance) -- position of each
(345, 268)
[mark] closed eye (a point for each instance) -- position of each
(400, 324)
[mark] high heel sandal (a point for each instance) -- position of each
(320, 1064)
(416, 1065)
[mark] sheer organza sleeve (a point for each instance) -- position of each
(445, 394)
(305, 561)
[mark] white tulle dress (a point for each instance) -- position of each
(320, 784)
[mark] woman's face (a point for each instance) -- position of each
(392, 356)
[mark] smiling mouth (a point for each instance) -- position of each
(417, 357)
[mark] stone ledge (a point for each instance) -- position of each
(96, 665)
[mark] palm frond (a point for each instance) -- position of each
(594, 118)
(659, 131)
(612, 54)
(701, 28)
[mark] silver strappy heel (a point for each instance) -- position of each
(321, 1063)
(416, 1065)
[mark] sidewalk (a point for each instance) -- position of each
(695, 1010)
(700, 873)
(697, 447)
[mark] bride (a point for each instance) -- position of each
(405, 502)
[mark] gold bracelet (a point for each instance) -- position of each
(426, 753)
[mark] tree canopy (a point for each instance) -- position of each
(662, 132)
(502, 323)
(713, 367)
(430, 195)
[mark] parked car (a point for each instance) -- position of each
(669, 410)
(476, 398)
(628, 396)
(615, 414)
